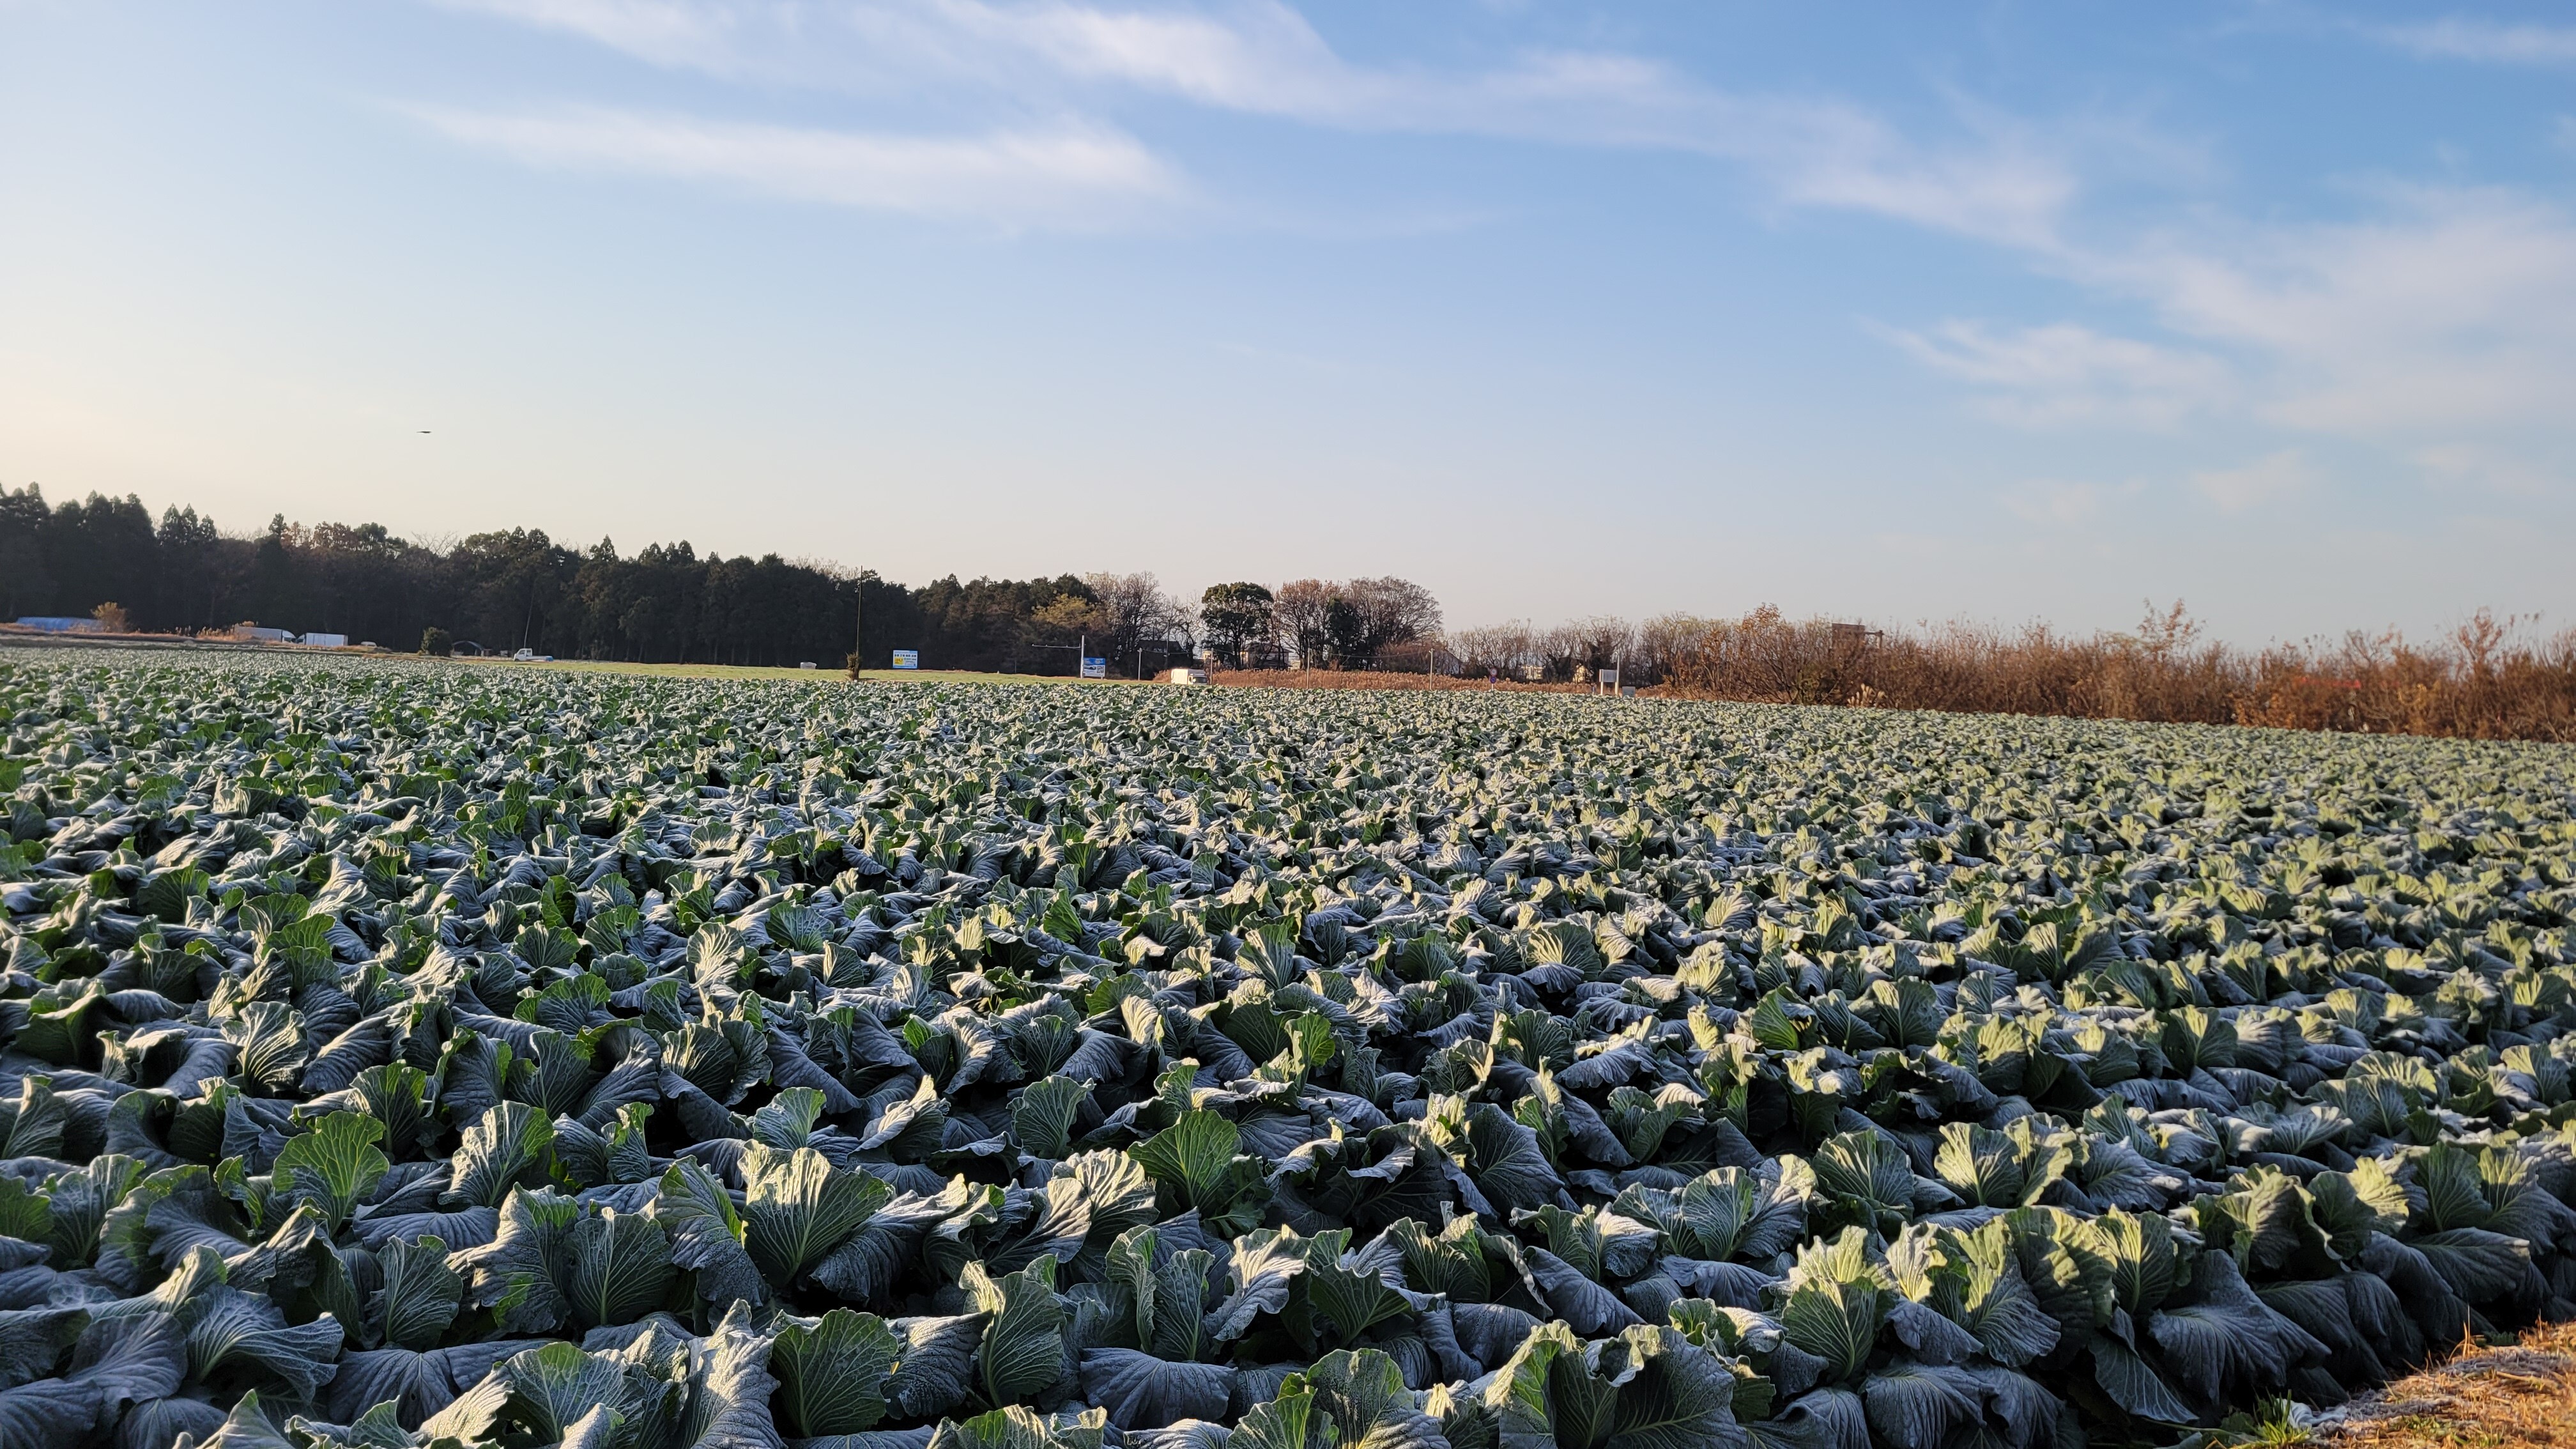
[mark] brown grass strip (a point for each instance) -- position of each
(2485, 1398)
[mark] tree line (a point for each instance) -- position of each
(103, 557)
(109, 558)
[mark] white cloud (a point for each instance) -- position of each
(1266, 59)
(2480, 468)
(2436, 310)
(696, 34)
(2063, 373)
(2497, 42)
(2285, 474)
(1068, 175)
(2449, 308)
(2002, 183)
(1999, 181)
(2061, 504)
(2443, 309)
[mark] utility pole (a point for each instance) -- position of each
(859, 624)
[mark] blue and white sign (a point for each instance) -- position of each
(907, 659)
(1095, 669)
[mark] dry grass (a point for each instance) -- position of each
(2483, 683)
(2487, 1398)
(1375, 679)
(2490, 679)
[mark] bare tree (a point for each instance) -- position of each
(1391, 611)
(1300, 610)
(1664, 641)
(1136, 613)
(1562, 650)
(1502, 649)
(1645, 653)
(1606, 642)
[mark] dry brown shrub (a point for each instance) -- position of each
(2483, 683)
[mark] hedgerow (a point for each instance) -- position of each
(404, 1055)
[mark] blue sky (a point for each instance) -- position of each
(1897, 312)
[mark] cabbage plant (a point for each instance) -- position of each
(398, 1055)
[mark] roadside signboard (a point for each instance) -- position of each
(1095, 669)
(907, 659)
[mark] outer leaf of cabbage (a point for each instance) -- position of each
(730, 1388)
(554, 1386)
(1915, 1405)
(1015, 1427)
(245, 1428)
(1862, 1179)
(619, 1268)
(1836, 1321)
(1140, 1391)
(33, 1339)
(226, 1324)
(831, 1373)
(1042, 1116)
(797, 1207)
(2134, 1385)
(936, 1369)
(515, 1273)
(1023, 1347)
(1521, 1395)
(1287, 1419)
(420, 1295)
(1826, 1418)
(706, 1234)
(506, 1147)
(1264, 1265)
(1672, 1393)
(129, 1359)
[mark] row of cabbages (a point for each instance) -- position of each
(402, 1056)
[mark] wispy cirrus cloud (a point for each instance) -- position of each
(2448, 306)
(2497, 472)
(2268, 479)
(693, 33)
(2419, 313)
(2460, 37)
(2063, 373)
(1995, 180)
(2060, 504)
(1062, 175)
(2442, 309)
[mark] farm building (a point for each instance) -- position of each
(65, 625)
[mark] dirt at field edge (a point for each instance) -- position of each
(2485, 1398)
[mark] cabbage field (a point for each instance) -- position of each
(397, 1054)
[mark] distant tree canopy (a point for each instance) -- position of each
(1349, 625)
(664, 603)
(1237, 617)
